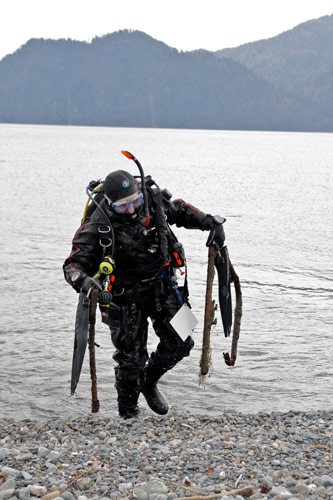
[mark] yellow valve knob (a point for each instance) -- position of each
(106, 268)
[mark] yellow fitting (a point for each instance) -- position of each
(106, 268)
(98, 188)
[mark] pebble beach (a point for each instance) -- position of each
(232, 456)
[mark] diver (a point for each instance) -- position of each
(130, 224)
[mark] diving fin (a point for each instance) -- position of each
(80, 338)
(222, 266)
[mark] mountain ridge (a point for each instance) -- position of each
(127, 78)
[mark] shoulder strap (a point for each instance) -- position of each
(160, 218)
(104, 228)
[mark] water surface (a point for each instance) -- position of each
(275, 190)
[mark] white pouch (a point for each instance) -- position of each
(184, 321)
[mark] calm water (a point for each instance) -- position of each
(275, 190)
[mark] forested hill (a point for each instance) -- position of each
(128, 78)
(298, 62)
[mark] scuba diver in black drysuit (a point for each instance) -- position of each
(132, 222)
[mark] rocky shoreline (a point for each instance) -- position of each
(260, 456)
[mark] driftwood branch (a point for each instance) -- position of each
(209, 314)
(210, 319)
(92, 360)
(231, 359)
(247, 491)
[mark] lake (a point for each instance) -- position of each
(275, 190)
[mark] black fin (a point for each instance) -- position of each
(80, 339)
(223, 273)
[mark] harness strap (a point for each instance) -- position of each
(105, 240)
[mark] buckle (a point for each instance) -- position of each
(105, 245)
(104, 229)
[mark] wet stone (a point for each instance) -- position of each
(37, 490)
(10, 471)
(141, 494)
(115, 494)
(10, 483)
(24, 457)
(43, 452)
(83, 483)
(67, 495)
(23, 494)
(326, 481)
(281, 455)
(6, 494)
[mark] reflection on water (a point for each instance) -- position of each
(275, 190)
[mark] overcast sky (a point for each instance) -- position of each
(183, 24)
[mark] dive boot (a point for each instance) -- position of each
(127, 399)
(128, 406)
(154, 398)
(126, 412)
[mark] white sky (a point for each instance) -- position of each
(184, 24)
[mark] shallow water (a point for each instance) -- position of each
(274, 189)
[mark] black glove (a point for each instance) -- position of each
(219, 236)
(88, 283)
(81, 281)
(216, 234)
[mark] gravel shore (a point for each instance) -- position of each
(275, 455)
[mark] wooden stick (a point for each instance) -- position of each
(209, 314)
(238, 312)
(92, 360)
(247, 491)
(231, 359)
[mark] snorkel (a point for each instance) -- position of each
(143, 186)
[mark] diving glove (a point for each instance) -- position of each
(88, 283)
(216, 234)
(82, 282)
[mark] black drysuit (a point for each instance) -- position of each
(143, 288)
